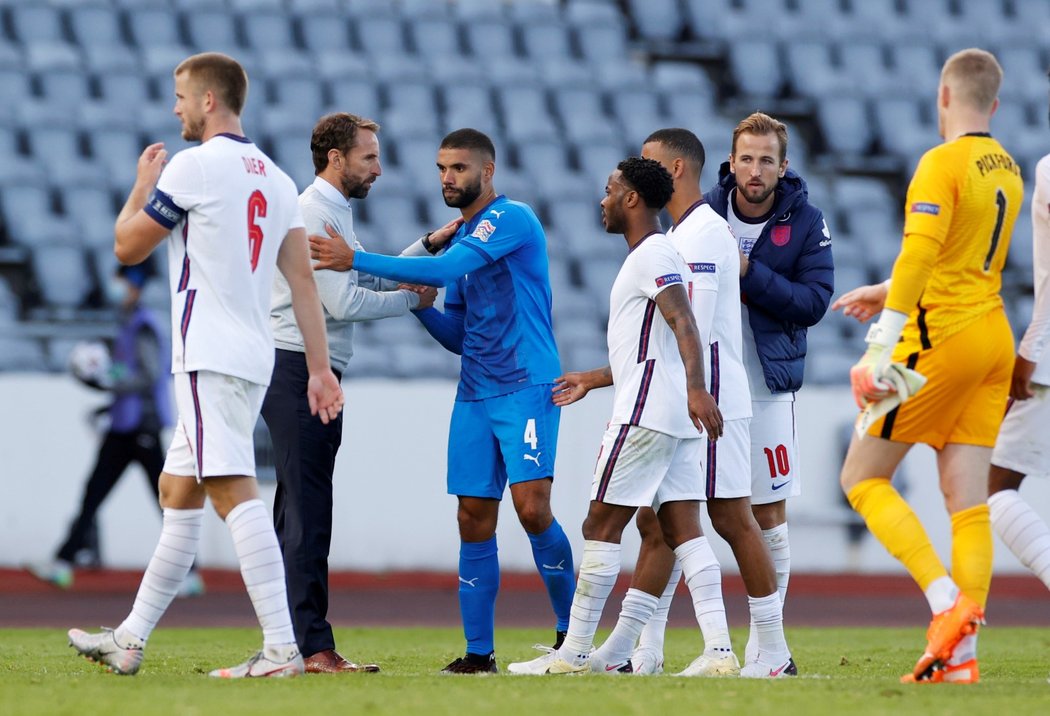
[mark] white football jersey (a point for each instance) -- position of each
(704, 240)
(747, 232)
(648, 373)
(1034, 344)
(229, 207)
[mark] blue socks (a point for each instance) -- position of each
(553, 555)
(478, 585)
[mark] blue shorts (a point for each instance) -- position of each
(512, 436)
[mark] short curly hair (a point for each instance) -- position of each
(648, 177)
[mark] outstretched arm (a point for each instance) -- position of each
(573, 386)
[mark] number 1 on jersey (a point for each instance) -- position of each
(256, 209)
(1000, 203)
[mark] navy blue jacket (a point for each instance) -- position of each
(789, 280)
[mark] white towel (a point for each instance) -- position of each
(906, 383)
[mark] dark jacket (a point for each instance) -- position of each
(789, 280)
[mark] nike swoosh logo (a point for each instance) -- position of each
(776, 672)
(777, 487)
(613, 667)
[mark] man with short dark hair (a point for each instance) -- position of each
(504, 427)
(652, 451)
(345, 151)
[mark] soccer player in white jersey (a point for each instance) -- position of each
(1022, 447)
(651, 452)
(709, 248)
(231, 216)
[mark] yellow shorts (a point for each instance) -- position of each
(968, 382)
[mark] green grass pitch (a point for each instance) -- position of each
(843, 671)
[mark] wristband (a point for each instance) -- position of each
(427, 245)
(888, 330)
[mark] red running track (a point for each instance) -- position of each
(428, 599)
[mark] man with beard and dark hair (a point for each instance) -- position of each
(504, 427)
(346, 160)
(652, 451)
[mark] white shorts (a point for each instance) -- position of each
(1022, 445)
(727, 470)
(217, 416)
(775, 473)
(638, 467)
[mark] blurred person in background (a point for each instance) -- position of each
(138, 377)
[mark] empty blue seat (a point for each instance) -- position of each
(154, 27)
(756, 67)
(380, 36)
(845, 123)
(434, 36)
(489, 38)
(267, 30)
(657, 19)
(36, 22)
(91, 209)
(546, 40)
(417, 97)
(62, 274)
(212, 31)
(325, 31)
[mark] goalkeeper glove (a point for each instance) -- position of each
(867, 377)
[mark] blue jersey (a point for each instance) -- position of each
(498, 302)
(508, 340)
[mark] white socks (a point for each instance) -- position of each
(637, 610)
(767, 619)
(941, 594)
(653, 634)
(1023, 531)
(704, 578)
(599, 568)
(777, 540)
(179, 536)
(262, 569)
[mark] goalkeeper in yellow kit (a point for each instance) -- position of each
(942, 317)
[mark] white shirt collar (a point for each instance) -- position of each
(330, 192)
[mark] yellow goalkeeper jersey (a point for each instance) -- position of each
(965, 195)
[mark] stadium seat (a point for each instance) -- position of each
(490, 37)
(845, 124)
(600, 41)
(656, 19)
(212, 31)
(916, 70)
(756, 68)
(62, 274)
(875, 19)
(355, 94)
(380, 37)
(811, 69)
(91, 209)
(902, 128)
(434, 36)
(299, 89)
(267, 30)
(36, 22)
(546, 40)
(525, 114)
(465, 116)
(682, 76)
(415, 97)
(123, 87)
(325, 31)
(863, 63)
(474, 10)
(155, 27)
(477, 98)
(95, 24)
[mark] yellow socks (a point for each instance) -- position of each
(972, 552)
(895, 525)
